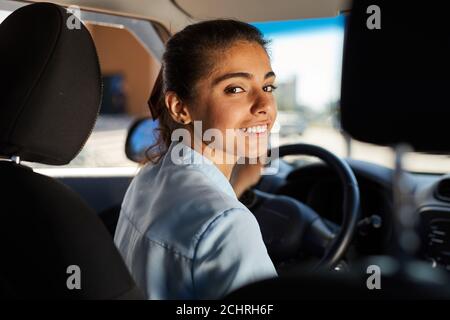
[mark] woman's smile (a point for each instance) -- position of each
(255, 129)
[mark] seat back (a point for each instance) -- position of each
(53, 246)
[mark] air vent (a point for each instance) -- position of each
(443, 190)
(438, 241)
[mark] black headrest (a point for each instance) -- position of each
(396, 79)
(50, 85)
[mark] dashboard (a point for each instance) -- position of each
(319, 187)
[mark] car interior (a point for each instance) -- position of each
(75, 127)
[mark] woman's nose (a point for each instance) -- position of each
(262, 104)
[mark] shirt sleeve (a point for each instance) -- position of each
(229, 254)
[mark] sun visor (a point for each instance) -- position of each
(396, 74)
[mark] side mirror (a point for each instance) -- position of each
(141, 135)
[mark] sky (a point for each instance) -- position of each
(310, 49)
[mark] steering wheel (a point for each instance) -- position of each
(287, 225)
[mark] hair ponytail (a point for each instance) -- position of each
(156, 100)
(156, 104)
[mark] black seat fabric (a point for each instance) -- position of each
(395, 79)
(45, 228)
(51, 85)
(51, 93)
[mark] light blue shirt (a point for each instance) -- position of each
(184, 234)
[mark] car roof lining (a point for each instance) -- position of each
(257, 10)
(176, 14)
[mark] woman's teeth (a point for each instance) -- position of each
(255, 129)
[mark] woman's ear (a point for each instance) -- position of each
(178, 110)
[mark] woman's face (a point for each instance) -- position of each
(238, 95)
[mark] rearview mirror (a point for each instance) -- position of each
(141, 136)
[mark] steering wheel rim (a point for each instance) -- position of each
(351, 200)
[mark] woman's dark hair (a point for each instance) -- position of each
(190, 55)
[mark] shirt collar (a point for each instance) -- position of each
(191, 158)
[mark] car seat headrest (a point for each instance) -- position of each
(396, 75)
(50, 82)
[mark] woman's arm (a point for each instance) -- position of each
(230, 253)
(245, 176)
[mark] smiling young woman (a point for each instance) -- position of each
(182, 231)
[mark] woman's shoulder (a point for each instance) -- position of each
(179, 206)
(197, 184)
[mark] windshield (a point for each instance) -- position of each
(306, 56)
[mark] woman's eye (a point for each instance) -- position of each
(234, 90)
(269, 88)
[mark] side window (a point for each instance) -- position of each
(129, 69)
(4, 14)
(129, 52)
